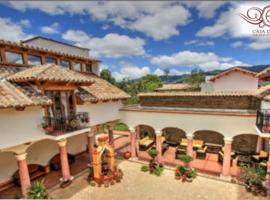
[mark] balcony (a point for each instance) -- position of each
(263, 121)
(57, 126)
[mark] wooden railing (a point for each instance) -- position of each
(263, 120)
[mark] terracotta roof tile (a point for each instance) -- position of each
(264, 75)
(234, 69)
(13, 95)
(103, 90)
(50, 72)
(174, 87)
(6, 71)
(195, 94)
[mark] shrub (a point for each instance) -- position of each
(158, 170)
(185, 158)
(153, 152)
(37, 191)
(192, 174)
(144, 168)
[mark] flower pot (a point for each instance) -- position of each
(127, 155)
(188, 179)
(49, 129)
(177, 177)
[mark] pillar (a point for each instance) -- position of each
(159, 146)
(226, 167)
(91, 143)
(23, 173)
(190, 145)
(133, 143)
(64, 160)
(268, 165)
(259, 144)
(110, 131)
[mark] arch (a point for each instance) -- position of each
(173, 135)
(8, 165)
(245, 143)
(41, 152)
(146, 130)
(209, 136)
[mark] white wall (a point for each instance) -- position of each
(236, 81)
(76, 144)
(229, 126)
(100, 113)
(265, 105)
(18, 127)
(95, 68)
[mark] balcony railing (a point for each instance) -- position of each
(263, 120)
(61, 125)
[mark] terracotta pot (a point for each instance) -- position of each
(49, 129)
(127, 155)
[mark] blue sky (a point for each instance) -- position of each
(136, 38)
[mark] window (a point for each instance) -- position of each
(65, 63)
(14, 58)
(49, 60)
(88, 67)
(77, 66)
(34, 60)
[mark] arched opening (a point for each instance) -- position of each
(147, 137)
(173, 136)
(245, 144)
(209, 136)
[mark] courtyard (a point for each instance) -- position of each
(138, 185)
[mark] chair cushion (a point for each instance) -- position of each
(263, 154)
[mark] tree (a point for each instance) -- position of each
(149, 83)
(106, 75)
(195, 78)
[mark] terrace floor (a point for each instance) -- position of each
(137, 185)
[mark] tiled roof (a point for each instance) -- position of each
(13, 95)
(102, 90)
(164, 94)
(16, 44)
(234, 69)
(177, 86)
(263, 91)
(6, 71)
(50, 72)
(266, 98)
(265, 74)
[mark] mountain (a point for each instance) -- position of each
(180, 78)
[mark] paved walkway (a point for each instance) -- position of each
(137, 185)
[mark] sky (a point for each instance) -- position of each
(133, 39)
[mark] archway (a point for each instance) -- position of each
(147, 137)
(173, 136)
(209, 137)
(245, 144)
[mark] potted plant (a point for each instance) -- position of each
(37, 191)
(158, 170)
(191, 174)
(185, 158)
(153, 152)
(144, 168)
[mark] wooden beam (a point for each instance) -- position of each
(59, 87)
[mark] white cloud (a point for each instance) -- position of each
(111, 45)
(159, 20)
(52, 29)
(11, 30)
(130, 71)
(206, 61)
(199, 43)
(232, 25)
(237, 44)
(159, 72)
(206, 9)
(25, 23)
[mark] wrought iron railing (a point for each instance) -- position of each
(263, 120)
(61, 125)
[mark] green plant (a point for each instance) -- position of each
(192, 174)
(153, 152)
(90, 171)
(144, 168)
(185, 158)
(158, 170)
(37, 191)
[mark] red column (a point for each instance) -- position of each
(226, 167)
(133, 143)
(24, 174)
(110, 131)
(64, 161)
(259, 144)
(268, 165)
(159, 147)
(91, 143)
(190, 145)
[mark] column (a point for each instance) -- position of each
(132, 142)
(268, 164)
(259, 144)
(226, 167)
(91, 143)
(159, 146)
(23, 172)
(110, 131)
(190, 145)
(64, 160)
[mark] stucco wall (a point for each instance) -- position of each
(100, 113)
(8, 165)
(229, 126)
(18, 127)
(236, 81)
(77, 144)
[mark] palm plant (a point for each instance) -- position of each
(37, 191)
